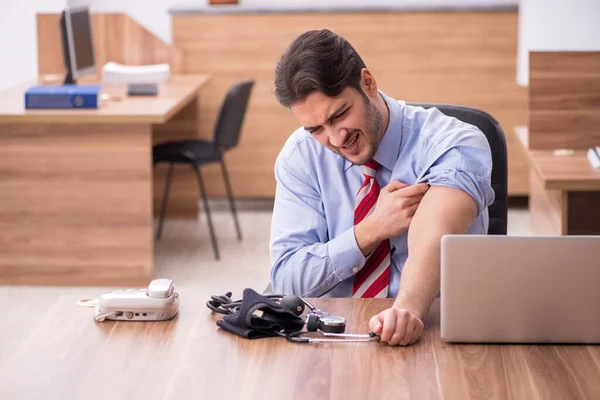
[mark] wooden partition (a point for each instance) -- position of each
(466, 58)
(121, 39)
(564, 113)
(116, 38)
(564, 100)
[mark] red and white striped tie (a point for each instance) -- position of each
(373, 279)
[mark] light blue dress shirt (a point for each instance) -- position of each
(313, 248)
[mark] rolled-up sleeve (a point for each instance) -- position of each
(462, 161)
(304, 260)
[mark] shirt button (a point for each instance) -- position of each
(355, 270)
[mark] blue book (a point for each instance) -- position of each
(63, 96)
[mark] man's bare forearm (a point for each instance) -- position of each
(442, 211)
(419, 285)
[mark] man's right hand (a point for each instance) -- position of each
(395, 207)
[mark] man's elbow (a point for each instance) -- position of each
(277, 279)
(280, 277)
(277, 272)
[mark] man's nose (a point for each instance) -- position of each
(337, 137)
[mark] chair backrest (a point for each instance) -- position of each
(231, 116)
(492, 130)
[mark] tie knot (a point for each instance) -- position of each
(370, 168)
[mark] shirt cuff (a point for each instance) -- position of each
(345, 255)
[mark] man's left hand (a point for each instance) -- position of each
(397, 326)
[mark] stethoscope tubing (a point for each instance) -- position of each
(332, 337)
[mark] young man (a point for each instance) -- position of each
(367, 187)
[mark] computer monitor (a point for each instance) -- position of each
(78, 46)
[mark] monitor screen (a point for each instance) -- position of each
(82, 39)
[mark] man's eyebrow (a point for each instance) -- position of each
(331, 116)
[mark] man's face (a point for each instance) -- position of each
(349, 124)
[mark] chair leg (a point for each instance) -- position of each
(231, 201)
(213, 238)
(165, 200)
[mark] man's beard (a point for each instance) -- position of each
(373, 131)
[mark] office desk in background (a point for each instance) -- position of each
(564, 195)
(564, 113)
(69, 356)
(76, 186)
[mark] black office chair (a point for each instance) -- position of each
(198, 152)
(498, 210)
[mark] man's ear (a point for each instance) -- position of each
(368, 83)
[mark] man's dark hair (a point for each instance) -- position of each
(317, 61)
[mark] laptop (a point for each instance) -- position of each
(520, 289)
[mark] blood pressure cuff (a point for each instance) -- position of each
(260, 317)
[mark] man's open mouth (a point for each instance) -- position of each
(351, 142)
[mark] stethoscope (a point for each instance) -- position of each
(299, 337)
(318, 322)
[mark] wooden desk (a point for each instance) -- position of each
(69, 356)
(76, 203)
(564, 191)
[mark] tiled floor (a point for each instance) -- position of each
(185, 254)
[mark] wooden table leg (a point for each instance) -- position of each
(558, 212)
(75, 204)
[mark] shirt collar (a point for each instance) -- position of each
(389, 147)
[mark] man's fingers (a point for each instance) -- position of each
(410, 329)
(396, 327)
(375, 324)
(409, 201)
(399, 336)
(414, 190)
(395, 185)
(411, 210)
(389, 325)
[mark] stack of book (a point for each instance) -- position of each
(593, 156)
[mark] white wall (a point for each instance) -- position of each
(560, 25)
(18, 29)
(18, 38)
